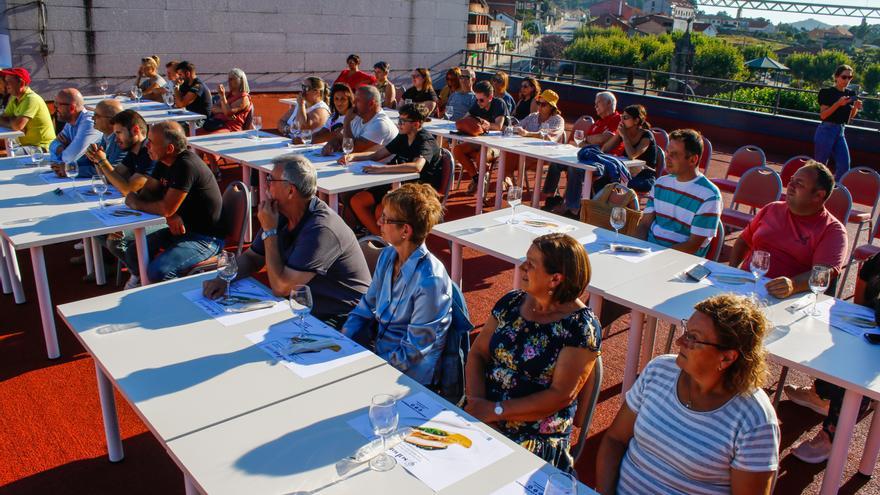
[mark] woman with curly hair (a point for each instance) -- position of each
(698, 422)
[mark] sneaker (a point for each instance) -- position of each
(133, 282)
(815, 450)
(807, 397)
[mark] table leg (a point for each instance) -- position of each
(98, 256)
(872, 445)
(648, 341)
(480, 182)
(4, 275)
(189, 486)
(334, 202)
(587, 190)
(633, 346)
(13, 270)
(536, 191)
(456, 263)
(45, 299)
(596, 304)
(140, 242)
(87, 255)
(516, 275)
(499, 184)
(264, 186)
(192, 129)
(840, 447)
(111, 420)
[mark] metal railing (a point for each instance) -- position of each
(700, 89)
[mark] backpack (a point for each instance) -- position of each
(449, 376)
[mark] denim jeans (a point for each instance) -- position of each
(118, 247)
(180, 253)
(834, 394)
(830, 142)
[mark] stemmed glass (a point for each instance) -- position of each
(759, 266)
(258, 124)
(578, 137)
(617, 220)
(72, 171)
(820, 279)
(227, 269)
(168, 98)
(300, 301)
(99, 187)
(448, 112)
(514, 199)
(384, 418)
(347, 146)
(560, 483)
(306, 136)
(103, 85)
(136, 93)
(544, 131)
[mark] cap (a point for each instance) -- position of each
(550, 97)
(19, 72)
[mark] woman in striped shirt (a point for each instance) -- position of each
(699, 422)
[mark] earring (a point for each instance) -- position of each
(550, 292)
(719, 368)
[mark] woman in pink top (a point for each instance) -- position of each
(231, 109)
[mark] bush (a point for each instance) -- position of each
(788, 100)
(871, 79)
(719, 60)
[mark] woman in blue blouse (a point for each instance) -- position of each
(405, 314)
(537, 350)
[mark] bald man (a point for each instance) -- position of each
(79, 129)
(104, 113)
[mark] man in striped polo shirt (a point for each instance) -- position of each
(684, 207)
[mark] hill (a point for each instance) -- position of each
(809, 25)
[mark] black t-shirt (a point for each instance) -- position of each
(497, 108)
(650, 154)
(418, 96)
(321, 243)
(829, 96)
(200, 209)
(523, 108)
(139, 163)
(202, 103)
(423, 146)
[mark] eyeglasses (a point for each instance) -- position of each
(482, 100)
(416, 75)
(845, 78)
(689, 339)
(542, 103)
(465, 76)
(307, 88)
(270, 180)
(390, 221)
(401, 121)
(497, 79)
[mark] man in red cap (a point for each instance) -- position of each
(26, 110)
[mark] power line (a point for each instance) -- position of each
(797, 7)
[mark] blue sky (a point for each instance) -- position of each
(788, 17)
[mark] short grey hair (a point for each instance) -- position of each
(372, 93)
(172, 133)
(239, 74)
(299, 172)
(608, 97)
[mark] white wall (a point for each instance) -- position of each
(276, 42)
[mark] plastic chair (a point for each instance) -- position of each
(447, 174)
(587, 399)
(839, 204)
(706, 157)
(234, 217)
(582, 124)
(372, 246)
(248, 123)
(660, 164)
(743, 160)
(791, 166)
(858, 255)
(757, 188)
(660, 137)
(863, 185)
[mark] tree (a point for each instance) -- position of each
(719, 60)
(825, 64)
(550, 46)
(871, 79)
(753, 51)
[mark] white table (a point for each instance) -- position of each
(33, 216)
(6, 134)
(180, 369)
(152, 112)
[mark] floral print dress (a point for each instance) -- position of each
(523, 356)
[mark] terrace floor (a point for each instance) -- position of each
(50, 418)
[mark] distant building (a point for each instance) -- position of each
(614, 7)
(497, 30)
(681, 11)
(609, 21)
(478, 25)
(723, 22)
(759, 26)
(508, 7)
(653, 24)
(705, 28)
(513, 27)
(836, 33)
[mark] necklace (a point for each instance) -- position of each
(689, 402)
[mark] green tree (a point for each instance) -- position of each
(871, 79)
(757, 50)
(718, 59)
(800, 64)
(824, 65)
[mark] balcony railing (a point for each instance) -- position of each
(636, 80)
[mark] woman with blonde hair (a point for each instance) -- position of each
(151, 84)
(310, 111)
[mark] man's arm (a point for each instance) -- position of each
(84, 135)
(165, 206)
(249, 263)
(15, 123)
(182, 100)
(690, 246)
(738, 253)
(282, 278)
(644, 225)
(599, 139)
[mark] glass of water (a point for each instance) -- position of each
(448, 112)
(300, 301)
(168, 98)
(759, 266)
(72, 171)
(384, 418)
(578, 137)
(560, 483)
(514, 199)
(227, 269)
(544, 131)
(136, 93)
(347, 145)
(99, 187)
(258, 124)
(820, 279)
(617, 220)
(306, 136)
(103, 85)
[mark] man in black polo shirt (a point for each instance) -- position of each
(490, 112)
(183, 190)
(303, 242)
(192, 94)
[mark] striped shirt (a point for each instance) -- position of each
(682, 209)
(679, 451)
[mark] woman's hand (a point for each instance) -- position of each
(481, 409)
(221, 91)
(857, 105)
(344, 159)
(843, 100)
(520, 131)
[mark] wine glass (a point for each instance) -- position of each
(99, 187)
(227, 269)
(103, 85)
(759, 266)
(72, 171)
(306, 136)
(407, 101)
(544, 131)
(617, 220)
(448, 112)
(258, 124)
(300, 302)
(578, 137)
(383, 417)
(168, 98)
(347, 145)
(514, 198)
(14, 147)
(136, 93)
(820, 279)
(560, 483)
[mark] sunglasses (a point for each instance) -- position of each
(307, 88)
(626, 117)
(845, 78)
(482, 100)
(542, 103)
(464, 76)
(416, 75)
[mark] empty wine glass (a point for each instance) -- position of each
(820, 279)
(617, 220)
(384, 418)
(560, 483)
(72, 171)
(544, 131)
(103, 85)
(168, 98)
(578, 137)
(227, 269)
(300, 301)
(99, 187)
(448, 112)
(38, 156)
(14, 147)
(258, 124)
(347, 145)
(759, 266)
(306, 136)
(136, 93)
(514, 199)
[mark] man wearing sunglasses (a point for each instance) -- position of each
(490, 112)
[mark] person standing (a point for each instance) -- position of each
(838, 105)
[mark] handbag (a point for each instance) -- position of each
(469, 126)
(597, 210)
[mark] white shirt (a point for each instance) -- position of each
(380, 129)
(291, 121)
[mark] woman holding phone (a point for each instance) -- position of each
(838, 105)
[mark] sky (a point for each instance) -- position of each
(777, 17)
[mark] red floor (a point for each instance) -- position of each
(51, 434)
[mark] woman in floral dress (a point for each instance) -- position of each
(538, 348)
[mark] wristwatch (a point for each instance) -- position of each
(268, 233)
(498, 409)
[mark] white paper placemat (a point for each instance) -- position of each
(242, 293)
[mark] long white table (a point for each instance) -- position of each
(152, 112)
(33, 216)
(6, 134)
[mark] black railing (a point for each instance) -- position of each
(708, 90)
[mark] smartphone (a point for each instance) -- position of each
(698, 272)
(872, 338)
(624, 248)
